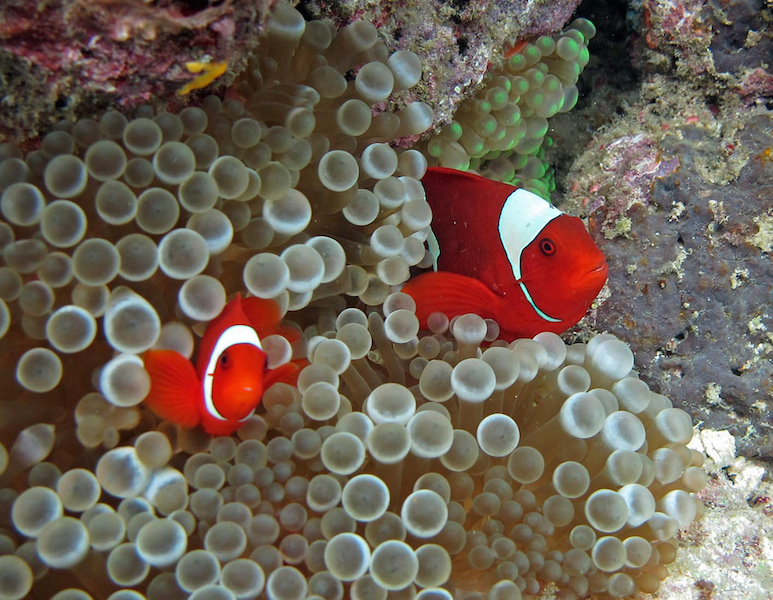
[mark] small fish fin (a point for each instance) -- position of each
(175, 390)
(515, 48)
(288, 332)
(450, 294)
(264, 315)
(286, 373)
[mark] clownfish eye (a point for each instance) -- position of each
(223, 360)
(547, 246)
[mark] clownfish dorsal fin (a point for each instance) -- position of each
(524, 215)
(263, 315)
(175, 390)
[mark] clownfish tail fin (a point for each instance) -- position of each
(175, 390)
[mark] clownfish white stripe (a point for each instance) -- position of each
(247, 418)
(236, 334)
(535, 307)
(522, 218)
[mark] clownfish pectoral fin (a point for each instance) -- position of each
(286, 373)
(450, 294)
(264, 315)
(175, 390)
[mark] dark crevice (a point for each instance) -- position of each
(610, 49)
(605, 87)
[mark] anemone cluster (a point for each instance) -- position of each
(501, 131)
(141, 228)
(401, 465)
(405, 463)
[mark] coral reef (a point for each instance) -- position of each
(677, 191)
(686, 133)
(61, 60)
(697, 303)
(72, 60)
(122, 235)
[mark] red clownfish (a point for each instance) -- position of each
(231, 372)
(505, 254)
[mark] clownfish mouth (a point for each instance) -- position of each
(602, 266)
(591, 281)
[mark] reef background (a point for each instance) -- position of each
(668, 154)
(672, 166)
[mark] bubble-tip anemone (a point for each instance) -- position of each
(487, 469)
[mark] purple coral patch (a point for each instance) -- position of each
(691, 282)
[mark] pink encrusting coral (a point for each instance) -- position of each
(62, 57)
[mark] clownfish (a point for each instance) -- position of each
(231, 372)
(505, 254)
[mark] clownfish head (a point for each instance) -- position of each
(555, 261)
(234, 378)
(562, 263)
